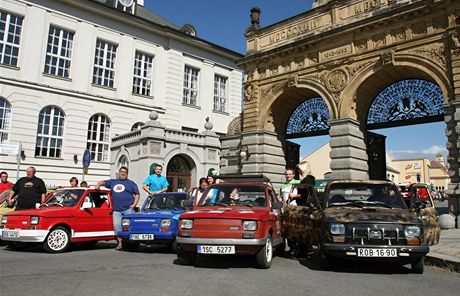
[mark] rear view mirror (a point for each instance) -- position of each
(87, 205)
(277, 205)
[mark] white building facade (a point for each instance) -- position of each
(75, 74)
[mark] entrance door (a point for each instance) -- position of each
(179, 174)
(376, 156)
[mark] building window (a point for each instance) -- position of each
(142, 80)
(137, 126)
(99, 137)
(190, 85)
(59, 52)
(50, 132)
(123, 161)
(10, 35)
(220, 93)
(5, 115)
(104, 63)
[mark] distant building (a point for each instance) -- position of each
(439, 177)
(75, 74)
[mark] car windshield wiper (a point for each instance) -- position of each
(363, 203)
(380, 203)
(221, 204)
(154, 207)
(245, 203)
(339, 204)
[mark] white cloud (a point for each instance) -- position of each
(428, 152)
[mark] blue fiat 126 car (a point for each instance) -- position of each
(156, 223)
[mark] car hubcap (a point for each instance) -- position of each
(57, 240)
(269, 250)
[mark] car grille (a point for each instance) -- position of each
(375, 234)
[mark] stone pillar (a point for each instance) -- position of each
(263, 154)
(452, 119)
(348, 150)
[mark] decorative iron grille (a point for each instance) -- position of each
(309, 118)
(406, 102)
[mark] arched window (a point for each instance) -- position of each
(50, 132)
(5, 115)
(123, 161)
(99, 137)
(137, 126)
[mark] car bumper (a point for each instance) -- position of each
(242, 246)
(351, 251)
(23, 235)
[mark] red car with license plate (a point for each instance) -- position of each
(70, 215)
(233, 217)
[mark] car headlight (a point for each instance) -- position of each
(4, 219)
(34, 220)
(165, 223)
(249, 225)
(186, 224)
(337, 228)
(125, 222)
(412, 231)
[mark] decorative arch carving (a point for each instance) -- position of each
(234, 127)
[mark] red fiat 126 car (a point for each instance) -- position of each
(70, 215)
(233, 217)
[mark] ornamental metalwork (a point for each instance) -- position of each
(309, 118)
(406, 102)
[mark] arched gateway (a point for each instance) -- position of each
(345, 53)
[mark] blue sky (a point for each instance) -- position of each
(224, 22)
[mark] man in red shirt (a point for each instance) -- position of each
(4, 183)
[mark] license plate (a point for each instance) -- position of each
(215, 249)
(14, 234)
(142, 236)
(374, 252)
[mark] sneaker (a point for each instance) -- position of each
(119, 247)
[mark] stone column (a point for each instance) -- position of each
(263, 154)
(452, 119)
(348, 150)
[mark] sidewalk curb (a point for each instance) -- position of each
(444, 261)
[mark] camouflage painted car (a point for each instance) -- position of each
(362, 220)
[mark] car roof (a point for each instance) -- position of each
(361, 181)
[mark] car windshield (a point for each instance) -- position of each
(234, 195)
(364, 195)
(65, 197)
(166, 201)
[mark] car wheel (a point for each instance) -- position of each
(130, 246)
(265, 255)
(184, 257)
(57, 241)
(418, 265)
(17, 246)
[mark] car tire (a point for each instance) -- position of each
(57, 241)
(265, 255)
(130, 246)
(17, 246)
(418, 265)
(184, 257)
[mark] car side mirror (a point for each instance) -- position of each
(187, 203)
(87, 205)
(277, 205)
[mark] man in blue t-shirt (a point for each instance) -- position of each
(156, 183)
(125, 196)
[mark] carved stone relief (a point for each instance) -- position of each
(212, 154)
(336, 80)
(360, 45)
(378, 40)
(388, 57)
(234, 127)
(155, 148)
(435, 54)
(398, 35)
(355, 68)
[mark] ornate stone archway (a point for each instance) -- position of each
(345, 52)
